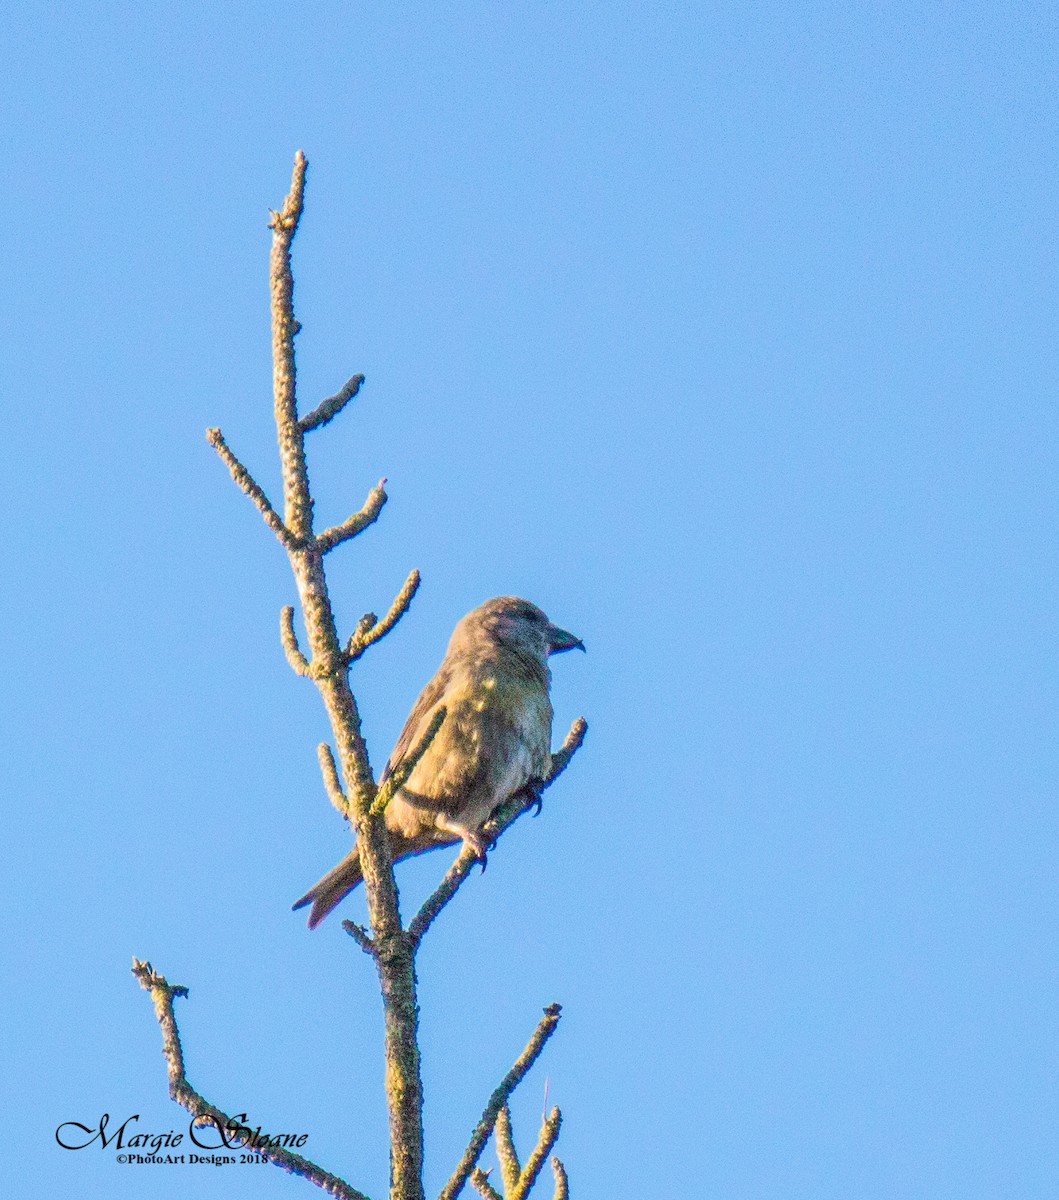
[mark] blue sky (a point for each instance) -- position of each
(726, 334)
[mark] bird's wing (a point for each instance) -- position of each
(418, 719)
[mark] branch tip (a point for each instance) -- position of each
(371, 630)
(246, 482)
(480, 1183)
(332, 782)
(162, 993)
(497, 1100)
(328, 409)
(299, 664)
(360, 935)
(357, 523)
(562, 1184)
(510, 1167)
(545, 1142)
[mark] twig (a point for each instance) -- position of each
(163, 994)
(357, 523)
(360, 935)
(370, 629)
(571, 744)
(284, 225)
(505, 815)
(480, 1183)
(497, 1101)
(299, 664)
(545, 1141)
(402, 772)
(510, 1168)
(331, 407)
(332, 783)
(246, 482)
(562, 1184)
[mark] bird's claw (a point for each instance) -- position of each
(479, 847)
(536, 800)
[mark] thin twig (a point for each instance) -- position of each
(357, 523)
(163, 994)
(505, 815)
(510, 1168)
(497, 1101)
(480, 1183)
(370, 629)
(299, 664)
(562, 1184)
(247, 483)
(571, 744)
(331, 780)
(548, 1135)
(330, 408)
(402, 772)
(360, 935)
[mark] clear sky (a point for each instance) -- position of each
(724, 332)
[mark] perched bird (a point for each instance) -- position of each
(495, 739)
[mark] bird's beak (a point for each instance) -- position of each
(559, 640)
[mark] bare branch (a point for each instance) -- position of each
(562, 1184)
(408, 764)
(480, 1183)
(571, 744)
(246, 482)
(370, 629)
(299, 664)
(510, 1168)
(548, 1135)
(357, 523)
(393, 961)
(360, 935)
(331, 407)
(497, 1101)
(284, 224)
(331, 780)
(163, 993)
(505, 816)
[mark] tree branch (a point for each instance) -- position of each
(299, 664)
(393, 956)
(284, 225)
(402, 772)
(480, 1183)
(546, 1140)
(370, 629)
(505, 816)
(562, 1184)
(163, 993)
(510, 1168)
(497, 1101)
(245, 481)
(360, 935)
(332, 783)
(330, 408)
(357, 523)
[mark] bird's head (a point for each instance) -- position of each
(516, 625)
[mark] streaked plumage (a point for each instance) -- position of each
(495, 739)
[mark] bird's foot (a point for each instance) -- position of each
(478, 845)
(535, 797)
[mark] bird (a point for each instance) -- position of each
(494, 741)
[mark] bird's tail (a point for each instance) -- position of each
(333, 888)
(341, 880)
